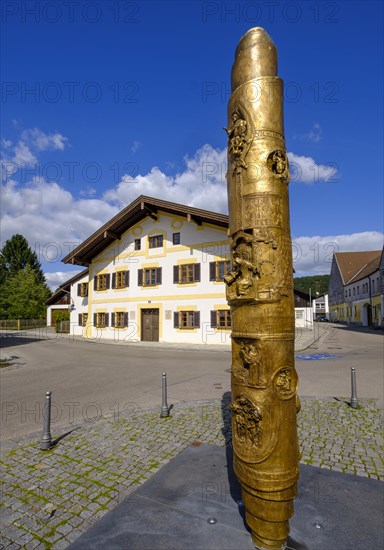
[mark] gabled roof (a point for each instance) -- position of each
(136, 211)
(65, 287)
(368, 269)
(352, 264)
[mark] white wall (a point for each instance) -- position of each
(199, 244)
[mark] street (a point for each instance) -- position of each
(89, 380)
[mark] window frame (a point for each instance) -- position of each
(214, 270)
(186, 320)
(82, 290)
(156, 241)
(120, 279)
(83, 319)
(106, 278)
(137, 244)
(183, 272)
(176, 238)
(119, 319)
(215, 319)
(101, 315)
(142, 276)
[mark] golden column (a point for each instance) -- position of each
(260, 293)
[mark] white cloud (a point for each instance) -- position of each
(54, 221)
(41, 141)
(315, 134)
(135, 146)
(6, 143)
(22, 154)
(87, 192)
(55, 279)
(307, 170)
(50, 217)
(201, 184)
(313, 255)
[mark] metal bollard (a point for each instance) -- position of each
(354, 402)
(164, 405)
(46, 438)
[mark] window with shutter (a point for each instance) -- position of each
(79, 290)
(120, 279)
(176, 319)
(83, 290)
(140, 277)
(113, 280)
(101, 320)
(151, 276)
(120, 319)
(224, 318)
(186, 273)
(102, 281)
(187, 319)
(217, 270)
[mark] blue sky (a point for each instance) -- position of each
(103, 101)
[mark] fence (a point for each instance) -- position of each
(22, 324)
(63, 327)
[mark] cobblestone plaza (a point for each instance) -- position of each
(50, 498)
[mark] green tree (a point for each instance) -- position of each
(23, 296)
(15, 255)
(317, 283)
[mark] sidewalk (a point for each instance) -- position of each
(303, 339)
(50, 498)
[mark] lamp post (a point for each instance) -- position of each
(310, 310)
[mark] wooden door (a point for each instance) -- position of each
(150, 325)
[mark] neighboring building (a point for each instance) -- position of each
(320, 306)
(64, 298)
(155, 272)
(355, 295)
(381, 288)
(303, 314)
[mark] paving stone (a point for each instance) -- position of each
(104, 461)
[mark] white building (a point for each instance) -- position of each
(155, 272)
(320, 307)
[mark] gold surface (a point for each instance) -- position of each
(260, 292)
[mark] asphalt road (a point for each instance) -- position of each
(89, 380)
